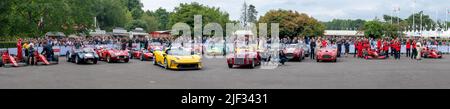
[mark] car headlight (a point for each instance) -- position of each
(113, 54)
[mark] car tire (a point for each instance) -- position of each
(68, 57)
(154, 60)
(317, 60)
(253, 64)
(95, 61)
(166, 64)
(126, 60)
(230, 65)
(108, 59)
(77, 60)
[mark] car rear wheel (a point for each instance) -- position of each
(154, 60)
(230, 65)
(166, 65)
(253, 64)
(77, 60)
(108, 59)
(68, 57)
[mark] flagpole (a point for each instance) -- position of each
(414, 12)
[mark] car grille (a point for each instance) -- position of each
(121, 57)
(289, 55)
(239, 61)
(326, 56)
(188, 66)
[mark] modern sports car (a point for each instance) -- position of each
(177, 58)
(82, 55)
(326, 54)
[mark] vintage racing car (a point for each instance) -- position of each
(82, 55)
(327, 54)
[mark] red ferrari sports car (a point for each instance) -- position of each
(243, 57)
(373, 54)
(431, 53)
(113, 55)
(326, 54)
(155, 46)
(142, 54)
(294, 52)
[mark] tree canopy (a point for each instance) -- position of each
(293, 23)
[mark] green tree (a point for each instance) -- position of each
(162, 16)
(293, 23)
(111, 14)
(252, 14)
(185, 13)
(373, 29)
(427, 22)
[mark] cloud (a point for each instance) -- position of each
(323, 10)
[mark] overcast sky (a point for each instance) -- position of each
(324, 10)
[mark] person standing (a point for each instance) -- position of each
(419, 49)
(386, 48)
(339, 47)
(408, 47)
(355, 45)
(312, 45)
(347, 47)
(379, 45)
(414, 49)
(396, 47)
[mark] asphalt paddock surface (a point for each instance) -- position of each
(348, 72)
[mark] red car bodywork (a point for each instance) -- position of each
(326, 54)
(113, 55)
(431, 53)
(244, 58)
(152, 47)
(372, 54)
(294, 53)
(142, 55)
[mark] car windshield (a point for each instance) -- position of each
(292, 46)
(88, 50)
(179, 52)
(155, 44)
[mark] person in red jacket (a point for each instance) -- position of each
(324, 43)
(408, 48)
(397, 48)
(392, 48)
(386, 48)
(359, 46)
(379, 44)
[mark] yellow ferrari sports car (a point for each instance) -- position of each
(177, 58)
